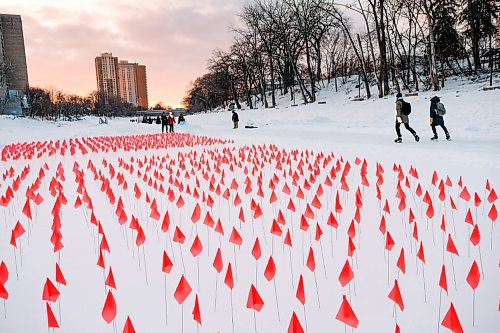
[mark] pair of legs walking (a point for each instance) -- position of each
(407, 126)
(435, 132)
(164, 126)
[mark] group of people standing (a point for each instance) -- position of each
(403, 109)
(167, 121)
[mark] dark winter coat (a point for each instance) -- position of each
(235, 117)
(399, 106)
(164, 119)
(437, 120)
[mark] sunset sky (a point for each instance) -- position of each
(173, 38)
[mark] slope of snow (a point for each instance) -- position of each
(304, 143)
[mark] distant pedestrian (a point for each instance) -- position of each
(235, 119)
(437, 111)
(171, 122)
(164, 122)
(403, 110)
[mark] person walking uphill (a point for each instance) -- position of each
(164, 122)
(437, 112)
(171, 122)
(235, 119)
(403, 109)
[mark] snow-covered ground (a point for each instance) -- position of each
(311, 144)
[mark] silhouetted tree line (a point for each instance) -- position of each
(54, 104)
(291, 47)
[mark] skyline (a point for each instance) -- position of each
(173, 39)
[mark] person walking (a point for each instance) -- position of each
(164, 122)
(403, 109)
(437, 111)
(171, 122)
(235, 119)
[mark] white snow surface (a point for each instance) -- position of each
(307, 140)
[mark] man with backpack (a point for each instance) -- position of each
(235, 119)
(437, 112)
(164, 122)
(403, 109)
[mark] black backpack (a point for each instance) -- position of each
(405, 108)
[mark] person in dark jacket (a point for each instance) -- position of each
(436, 119)
(235, 119)
(164, 122)
(402, 119)
(171, 122)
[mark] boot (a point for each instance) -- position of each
(417, 138)
(448, 137)
(434, 138)
(398, 140)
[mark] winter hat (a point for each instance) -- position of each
(170, 113)
(398, 95)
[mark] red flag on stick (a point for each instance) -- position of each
(346, 314)
(51, 319)
(442, 279)
(300, 294)
(59, 275)
(254, 300)
(196, 311)
(182, 291)
(473, 276)
(395, 295)
(346, 275)
(401, 261)
(295, 326)
(166, 265)
(128, 328)
(109, 309)
(50, 292)
(270, 270)
(228, 280)
(451, 321)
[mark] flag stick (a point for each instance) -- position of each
(439, 311)
(291, 267)
(145, 268)
(182, 317)
(276, 295)
(216, 287)
(305, 317)
(15, 261)
(473, 306)
(317, 292)
(166, 306)
(232, 311)
(254, 322)
(4, 309)
(323, 258)
(481, 260)
(423, 275)
(453, 267)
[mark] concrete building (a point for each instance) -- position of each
(13, 68)
(106, 68)
(142, 86)
(127, 81)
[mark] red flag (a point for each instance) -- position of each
(197, 247)
(110, 280)
(473, 276)
(295, 326)
(59, 275)
(451, 321)
(218, 265)
(401, 261)
(196, 213)
(468, 217)
(442, 279)
(493, 214)
(51, 319)
(179, 236)
(475, 236)
(389, 242)
(128, 328)
(300, 294)
(18, 230)
(288, 239)
(235, 237)
(109, 309)
(420, 253)
(270, 270)
(350, 247)
(27, 209)
(256, 251)
(50, 292)
(311, 263)
(395, 295)
(182, 291)
(196, 310)
(492, 196)
(228, 280)
(141, 237)
(430, 211)
(465, 194)
(166, 222)
(275, 228)
(382, 227)
(346, 274)
(346, 314)
(254, 300)
(3, 292)
(166, 265)
(450, 246)
(332, 221)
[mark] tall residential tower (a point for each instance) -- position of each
(106, 68)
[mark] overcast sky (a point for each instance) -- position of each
(173, 38)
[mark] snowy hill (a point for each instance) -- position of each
(322, 189)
